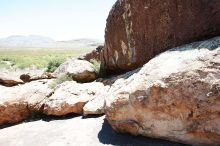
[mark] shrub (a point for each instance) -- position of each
(97, 65)
(53, 65)
(7, 59)
(23, 65)
(60, 80)
(4, 65)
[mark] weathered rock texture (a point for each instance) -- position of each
(18, 103)
(75, 131)
(9, 81)
(175, 96)
(95, 54)
(137, 30)
(70, 97)
(33, 77)
(96, 105)
(109, 80)
(80, 70)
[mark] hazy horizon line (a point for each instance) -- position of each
(53, 38)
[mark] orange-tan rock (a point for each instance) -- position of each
(175, 96)
(33, 77)
(9, 81)
(70, 97)
(96, 105)
(19, 102)
(79, 70)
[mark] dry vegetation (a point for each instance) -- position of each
(37, 57)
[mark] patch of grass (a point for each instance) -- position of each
(4, 65)
(7, 59)
(54, 64)
(97, 64)
(98, 67)
(61, 79)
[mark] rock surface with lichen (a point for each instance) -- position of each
(175, 96)
(136, 31)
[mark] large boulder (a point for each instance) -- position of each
(175, 96)
(137, 30)
(21, 102)
(18, 103)
(9, 81)
(70, 97)
(79, 70)
(12, 110)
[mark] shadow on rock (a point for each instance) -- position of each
(39, 116)
(108, 136)
(210, 44)
(8, 125)
(110, 78)
(53, 118)
(92, 116)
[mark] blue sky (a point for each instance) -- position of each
(59, 19)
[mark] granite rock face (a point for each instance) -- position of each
(96, 105)
(71, 97)
(175, 96)
(80, 70)
(137, 31)
(19, 102)
(9, 81)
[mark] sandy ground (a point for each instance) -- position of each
(71, 131)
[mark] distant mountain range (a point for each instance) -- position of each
(36, 41)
